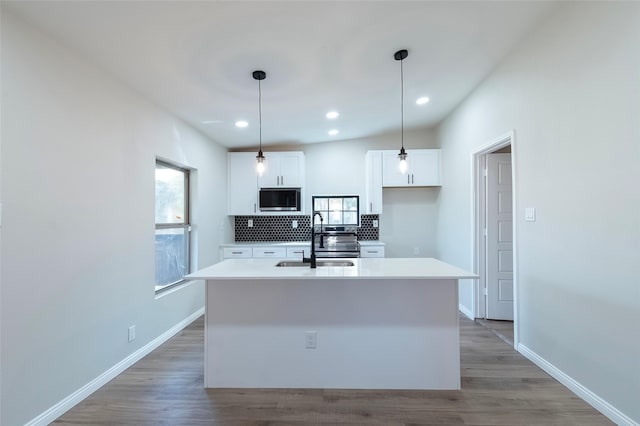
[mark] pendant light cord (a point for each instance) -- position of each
(260, 111)
(401, 104)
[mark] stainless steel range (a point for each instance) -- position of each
(337, 241)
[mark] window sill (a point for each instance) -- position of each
(162, 291)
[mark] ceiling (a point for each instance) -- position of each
(196, 58)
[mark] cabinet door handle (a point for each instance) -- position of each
(282, 180)
(236, 252)
(371, 207)
(411, 177)
(269, 252)
(408, 180)
(254, 207)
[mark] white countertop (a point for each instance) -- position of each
(267, 243)
(363, 243)
(365, 268)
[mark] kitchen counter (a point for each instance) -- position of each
(267, 244)
(291, 243)
(374, 268)
(383, 323)
(368, 243)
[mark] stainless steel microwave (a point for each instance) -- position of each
(280, 199)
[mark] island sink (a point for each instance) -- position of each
(293, 263)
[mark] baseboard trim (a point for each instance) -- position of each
(76, 397)
(591, 398)
(466, 311)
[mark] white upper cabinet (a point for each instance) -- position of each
(373, 167)
(423, 170)
(283, 169)
(242, 183)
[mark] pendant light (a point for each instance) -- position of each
(400, 55)
(260, 75)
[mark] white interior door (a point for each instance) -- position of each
(499, 240)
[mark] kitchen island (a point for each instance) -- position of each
(383, 323)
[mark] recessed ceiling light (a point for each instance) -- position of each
(241, 123)
(333, 132)
(423, 100)
(332, 114)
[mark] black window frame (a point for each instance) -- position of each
(326, 219)
(185, 225)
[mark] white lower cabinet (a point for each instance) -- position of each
(367, 249)
(237, 252)
(265, 251)
(372, 251)
(269, 252)
(298, 252)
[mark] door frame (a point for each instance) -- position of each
(478, 164)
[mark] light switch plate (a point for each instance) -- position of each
(530, 214)
(294, 224)
(375, 223)
(250, 223)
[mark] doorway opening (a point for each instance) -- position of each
(494, 236)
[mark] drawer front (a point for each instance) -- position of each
(269, 252)
(237, 252)
(297, 252)
(371, 251)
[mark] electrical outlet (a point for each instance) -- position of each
(132, 333)
(250, 223)
(311, 339)
(416, 251)
(375, 223)
(294, 224)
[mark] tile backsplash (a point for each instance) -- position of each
(279, 228)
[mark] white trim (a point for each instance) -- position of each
(465, 311)
(174, 287)
(508, 138)
(76, 397)
(514, 209)
(588, 396)
(477, 222)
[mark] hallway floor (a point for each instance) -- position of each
(502, 329)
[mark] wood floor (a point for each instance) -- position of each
(502, 329)
(499, 387)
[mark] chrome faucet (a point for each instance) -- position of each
(312, 258)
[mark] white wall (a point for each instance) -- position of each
(409, 216)
(571, 91)
(77, 174)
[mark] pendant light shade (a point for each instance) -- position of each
(260, 75)
(401, 55)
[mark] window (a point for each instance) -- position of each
(338, 210)
(172, 224)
